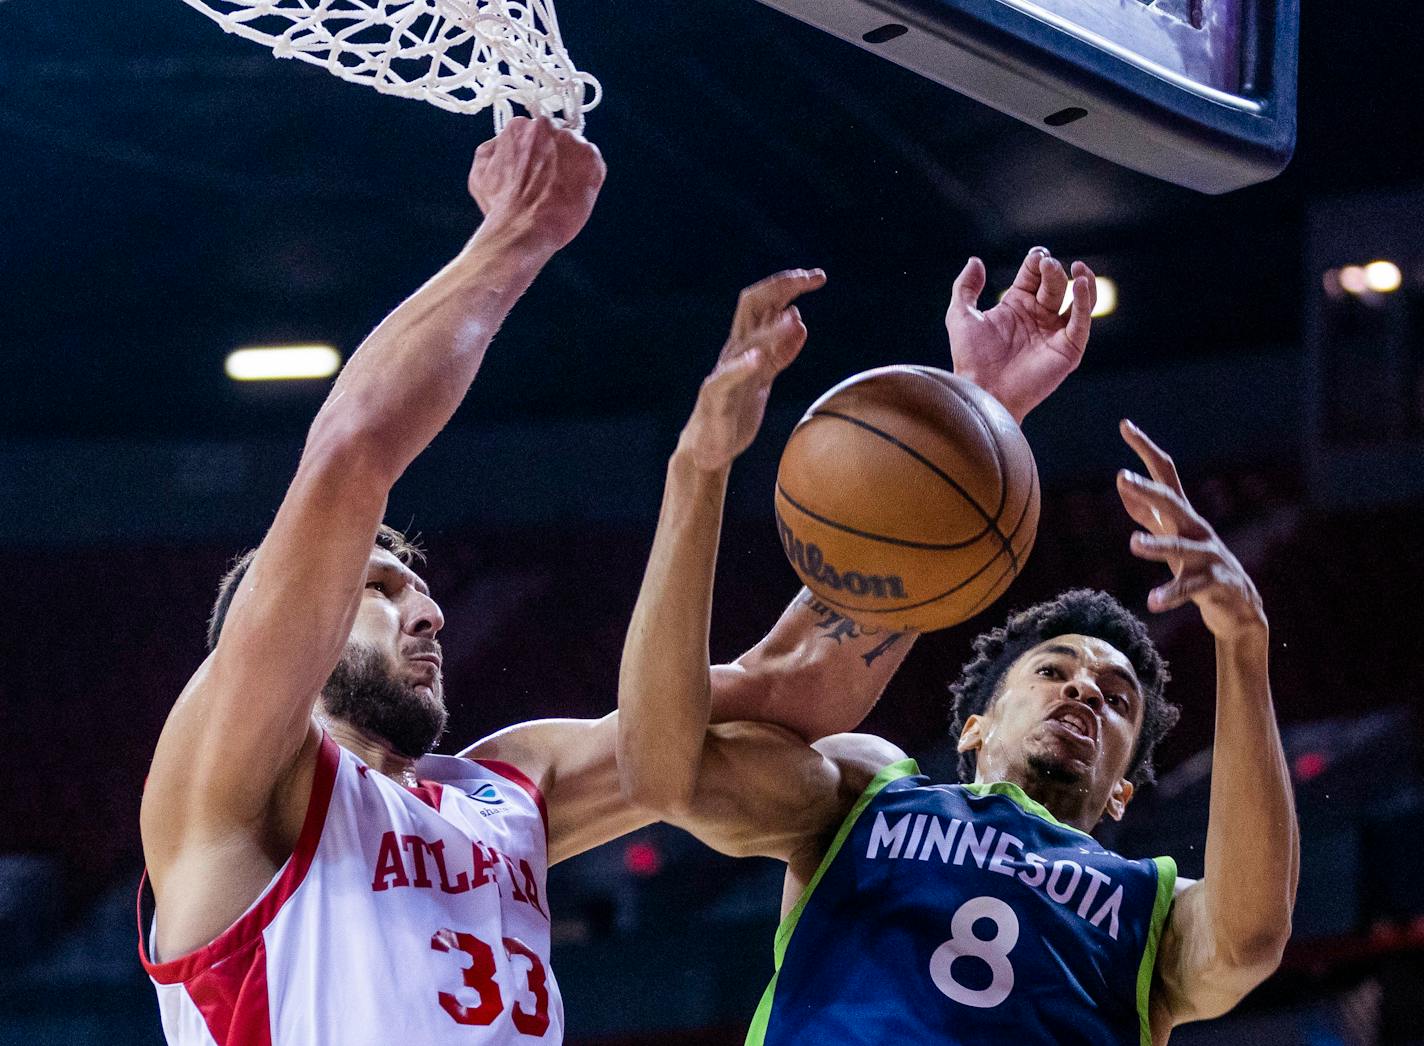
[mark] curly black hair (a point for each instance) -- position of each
(1081, 611)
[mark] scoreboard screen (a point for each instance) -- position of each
(1198, 40)
(1197, 92)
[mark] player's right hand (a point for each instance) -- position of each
(538, 179)
(767, 334)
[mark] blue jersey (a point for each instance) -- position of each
(965, 915)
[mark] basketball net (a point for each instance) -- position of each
(462, 55)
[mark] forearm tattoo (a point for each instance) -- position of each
(836, 626)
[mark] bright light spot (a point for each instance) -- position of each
(1310, 765)
(1107, 298)
(1352, 278)
(642, 859)
(282, 362)
(1383, 277)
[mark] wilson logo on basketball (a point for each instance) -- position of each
(811, 561)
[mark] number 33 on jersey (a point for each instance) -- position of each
(965, 915)
(404, 915)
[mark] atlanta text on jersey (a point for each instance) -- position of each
(402, 862)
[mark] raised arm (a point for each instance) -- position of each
(233, 740)
(665, 684)
(1226, 931)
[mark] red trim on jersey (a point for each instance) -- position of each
(428, 792)
(236, 942)
(232, 997)
(512, 773)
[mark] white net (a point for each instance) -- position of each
(462, 55)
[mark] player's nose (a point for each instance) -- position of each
(425, 618)
(1084, 691)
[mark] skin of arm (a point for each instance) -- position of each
(665, 685)
(229, 781)
(814, 670)
(1226, 932)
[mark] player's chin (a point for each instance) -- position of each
(1055, 761)
(431, 693)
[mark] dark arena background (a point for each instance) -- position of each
(171, 194)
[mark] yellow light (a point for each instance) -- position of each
(282, 362)
(1107, 298)
(1383, 277)
(1352, 278)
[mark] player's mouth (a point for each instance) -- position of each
(1075, 720)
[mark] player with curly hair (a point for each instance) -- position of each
(983, 911)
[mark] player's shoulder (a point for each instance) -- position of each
(540, 747)
(859, 757)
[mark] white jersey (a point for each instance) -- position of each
(404, 915)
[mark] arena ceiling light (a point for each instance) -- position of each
(1383, 277)
(282, 362)
(1367, 282)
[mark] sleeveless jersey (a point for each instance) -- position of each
(965, 915)
(403, 915)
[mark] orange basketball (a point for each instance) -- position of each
(907, 498)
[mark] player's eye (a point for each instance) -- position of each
(1117, 700)
(379, 586)
(1049, 672)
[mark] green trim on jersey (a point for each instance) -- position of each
(756, 1034)
(1029, 806)
(1166, 891)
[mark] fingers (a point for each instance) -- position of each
(1169, 548)
(1158, 508)
(968, 286)
(1082, 269)
(1030, 275)
(1053, 285)
(1179, 591)
(776, 292)
(1080, 313)
(1159, 463)
(760, 303)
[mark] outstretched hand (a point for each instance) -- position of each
(1204, 571)
(538, 179)
(767, 334)
(1021, 349)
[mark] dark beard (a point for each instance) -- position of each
(362, 693)
(1050, 770)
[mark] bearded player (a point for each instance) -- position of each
(316, 880)
(313, 879)
(981, 912)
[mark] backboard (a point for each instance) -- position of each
(1201, 93)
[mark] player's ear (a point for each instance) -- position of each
(1118, 800)
(971, 738)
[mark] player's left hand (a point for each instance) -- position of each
(1021, 349)
(1204, 571)
(767, 334)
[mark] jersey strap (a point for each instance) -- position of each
(1166, 891)
(756, 1035)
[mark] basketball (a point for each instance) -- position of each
(907, 498)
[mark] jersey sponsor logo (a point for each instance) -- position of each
(416, 863)
(488, 794)
(1083, 889)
